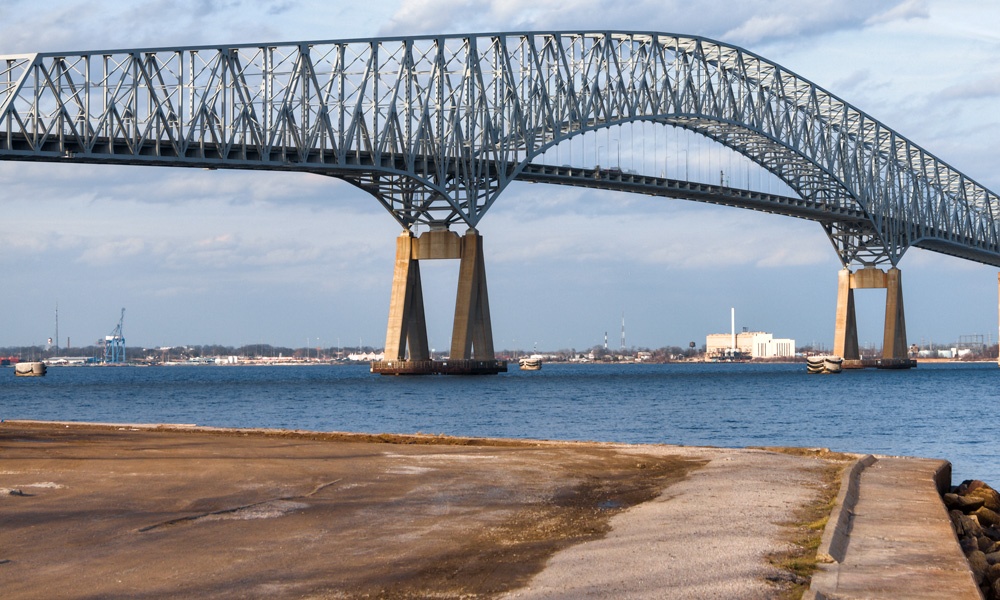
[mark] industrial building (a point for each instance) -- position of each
(747, 344)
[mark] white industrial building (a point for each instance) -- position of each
(766, 346)
(749, 344)
(746, 344)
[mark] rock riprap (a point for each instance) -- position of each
(974, 508)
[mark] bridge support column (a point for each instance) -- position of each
(472, 332)
(407, 326)
(894, 340)
(472, 336)
(845, 339)
(845, 336)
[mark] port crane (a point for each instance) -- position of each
(114, 344)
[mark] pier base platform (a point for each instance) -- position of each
(880, 363)
(439, 367)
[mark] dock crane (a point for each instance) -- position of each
(114, 344)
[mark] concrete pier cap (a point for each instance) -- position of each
(436, 244)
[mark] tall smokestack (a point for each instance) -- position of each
(732, 316)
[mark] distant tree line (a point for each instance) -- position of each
(182, 353)
(599, 353)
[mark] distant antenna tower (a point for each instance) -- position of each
(114, 344)
(605, 340)
(57, 328)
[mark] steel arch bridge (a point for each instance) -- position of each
(436, 127)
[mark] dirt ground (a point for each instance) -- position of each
(126, 512)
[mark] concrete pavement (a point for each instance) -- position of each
(890, 537)
(707, 537)
(120, 511)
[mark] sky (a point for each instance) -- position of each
(234, 258)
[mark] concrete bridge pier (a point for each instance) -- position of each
(845, 339)
(472, 350)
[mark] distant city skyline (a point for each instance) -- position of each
(234, 258)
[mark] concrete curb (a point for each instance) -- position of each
(833, 545)
(892, 538)
(942, 479)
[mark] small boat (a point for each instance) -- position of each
(530, 363)
(29, 369)
(824, 364)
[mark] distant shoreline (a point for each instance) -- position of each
(293, 363)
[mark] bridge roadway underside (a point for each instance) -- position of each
(847, 214)
(354, 165)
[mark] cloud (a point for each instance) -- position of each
(909, 9)
(669, 234)
(77, 25)
(67, 25)
(860, 79)
(107, 24)
(983, 87)
(770, 21)
(761, 27)
(746, 22)
(110, 251)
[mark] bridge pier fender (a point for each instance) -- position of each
(406, 347)
(845, 340)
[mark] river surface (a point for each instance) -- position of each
(938, 410)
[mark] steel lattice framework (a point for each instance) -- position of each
(436, 127)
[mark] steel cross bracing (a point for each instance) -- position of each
(435, 127)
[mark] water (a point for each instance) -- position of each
(940, 411)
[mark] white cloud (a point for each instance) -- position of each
(75, 25)
(757, 28)
(669, 234)
(909, 9)
(111, 251)
(855, 81)
(985, 86)
(742, 23)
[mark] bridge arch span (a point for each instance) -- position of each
(435, 127)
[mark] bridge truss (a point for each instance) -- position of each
(436, 127)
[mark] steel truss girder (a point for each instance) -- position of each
(437, 126)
